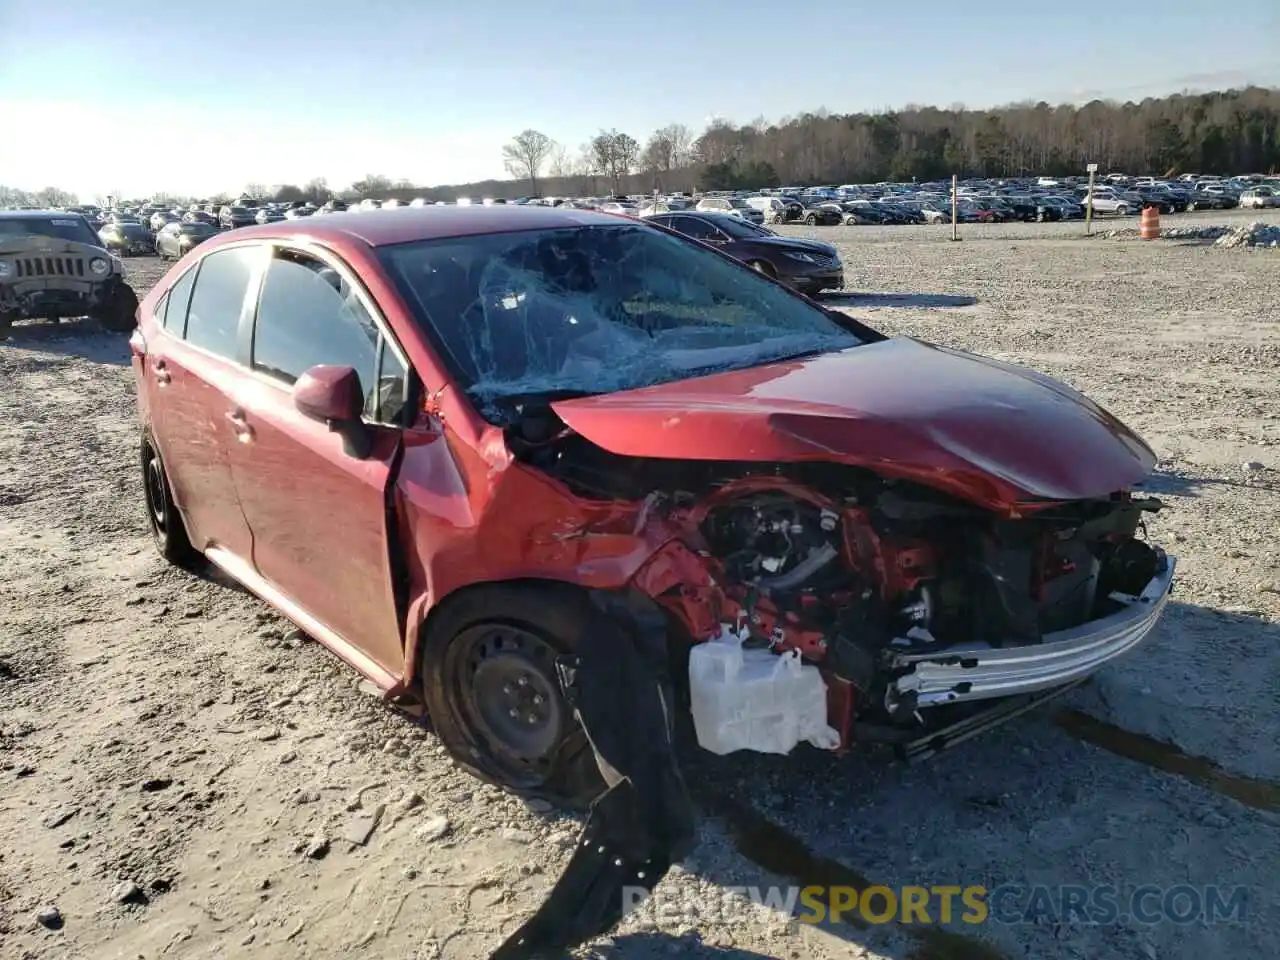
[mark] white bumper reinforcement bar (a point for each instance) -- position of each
(980, 671)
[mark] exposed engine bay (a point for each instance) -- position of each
(857, 572)
(900, 601)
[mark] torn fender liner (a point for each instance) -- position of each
(621, 693)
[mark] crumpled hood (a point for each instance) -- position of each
(993, 433)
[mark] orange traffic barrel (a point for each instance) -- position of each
(1149, 224)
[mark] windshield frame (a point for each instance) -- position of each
(497, 407)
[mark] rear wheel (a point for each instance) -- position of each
(489, 679)
(811, 220)
(167, 528)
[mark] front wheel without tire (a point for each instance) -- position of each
(167, 528)
(493, 694)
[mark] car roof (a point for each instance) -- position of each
(380, 228)
(38, 214)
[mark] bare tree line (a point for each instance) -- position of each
(1232, 131)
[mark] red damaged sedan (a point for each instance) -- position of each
(555, 479)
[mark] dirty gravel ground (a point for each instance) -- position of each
(183, 776)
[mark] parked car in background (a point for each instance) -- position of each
(734, 206)
(1259, 198)
(231, 217)
(158, 219)
(54, 266)
(1206, 200)
(127, 238)
(819, 211)
(809, 266)
(176, 240)
(1106, 201)
(777, 209)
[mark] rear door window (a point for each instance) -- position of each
(696, 228)
(217, 302)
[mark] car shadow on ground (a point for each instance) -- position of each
(72, 338)
(917, 300)
(1185, 484)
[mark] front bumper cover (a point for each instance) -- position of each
(981, 672)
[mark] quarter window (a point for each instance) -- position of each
(179, 298)
(213, 317)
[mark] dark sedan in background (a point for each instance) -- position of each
(175, 239)
(809, 266)
(126, 239)
(819, 211)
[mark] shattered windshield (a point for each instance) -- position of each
(594, 309)
(72, 227)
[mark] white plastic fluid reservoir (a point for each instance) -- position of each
(755, 699)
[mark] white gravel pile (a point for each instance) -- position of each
(1256, 234)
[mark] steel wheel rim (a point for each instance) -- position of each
(157, 502)
(506, 692)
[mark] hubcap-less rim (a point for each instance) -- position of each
(155, 492)
(508, 694)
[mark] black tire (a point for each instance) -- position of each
(118, 313)
(6, 324)
(763, 266)
(168, 531)
(1191, 208)
(811, 220)
(510, 630)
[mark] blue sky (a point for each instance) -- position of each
(193, 97)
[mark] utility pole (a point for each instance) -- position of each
(955, 201)
(1088, 201)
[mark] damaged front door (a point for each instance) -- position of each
(317, 512)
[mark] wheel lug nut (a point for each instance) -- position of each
(537, 699)
(523, 681)
(513, 713)
(508, 689)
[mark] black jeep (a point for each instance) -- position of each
(53, 265)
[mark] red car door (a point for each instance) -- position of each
(190, 367)
(318, 515)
